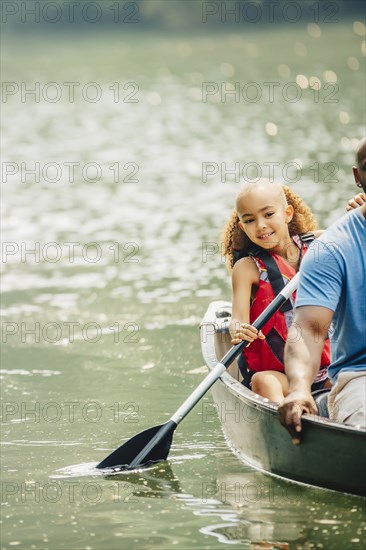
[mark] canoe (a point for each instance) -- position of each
(331, 455)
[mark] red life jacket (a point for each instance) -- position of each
(268, 354)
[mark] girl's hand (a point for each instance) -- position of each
(246, 332)
(356, 201)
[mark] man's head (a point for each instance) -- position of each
(359, 171)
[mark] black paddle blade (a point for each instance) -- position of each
(159, 438)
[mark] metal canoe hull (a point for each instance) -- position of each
(331, 455)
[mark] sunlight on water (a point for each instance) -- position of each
(113, 254)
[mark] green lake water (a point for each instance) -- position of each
(123, 212)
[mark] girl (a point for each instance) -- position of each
(264, 242)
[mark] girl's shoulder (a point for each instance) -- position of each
(246, 268)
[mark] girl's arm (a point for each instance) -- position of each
(245, 275)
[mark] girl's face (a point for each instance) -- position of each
(264, 217)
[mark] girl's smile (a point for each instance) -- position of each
(266, 235)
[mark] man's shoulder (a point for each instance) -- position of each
(338, 249)
(333, 258)
(338, 227)
(350, 223)
(344, 236)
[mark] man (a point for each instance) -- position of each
(332, 288)
(359, 173)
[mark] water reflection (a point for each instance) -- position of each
(156, 482)
(273, 513)
(257, 511)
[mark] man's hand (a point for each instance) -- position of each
(356, 201)
(292, 408)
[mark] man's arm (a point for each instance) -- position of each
(303, 352)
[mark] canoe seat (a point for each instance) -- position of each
(321, 401)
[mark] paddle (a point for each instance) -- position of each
(153, 444)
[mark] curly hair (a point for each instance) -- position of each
(233, 237)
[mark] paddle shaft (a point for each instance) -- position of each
(233, 352)
(213, 375)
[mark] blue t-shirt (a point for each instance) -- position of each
(333, 275)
